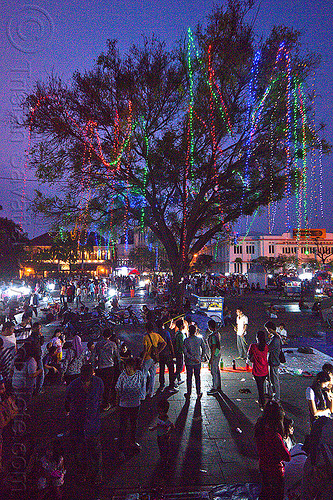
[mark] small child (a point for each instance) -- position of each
(164, 427)
(281, 330)
(90, 353)
(52, 471)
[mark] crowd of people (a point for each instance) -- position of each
(104, 374)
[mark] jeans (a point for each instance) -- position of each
(107, 375)
(274, 385)
(164, 445)
(215, 371)
(149, 371)
(127, 415)
(260, 381)
(40, 378)
(179, 365)
(169, 363)
(190, 369)
(241, 346)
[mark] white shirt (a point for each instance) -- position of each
(282, 332)
(241, 321)
(309, 393)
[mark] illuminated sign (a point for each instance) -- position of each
(309, 234)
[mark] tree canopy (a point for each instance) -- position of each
(181, 142)
(12, 242)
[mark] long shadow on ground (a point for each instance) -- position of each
(244, 440)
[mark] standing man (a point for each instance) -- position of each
(241, 330)
(153, 344)
(34, 303)
(166, 358)
(37, 339)
(180, 336)
(82, 404)
(194, 350)
(274, 349)
(106, 352)
(214, 343)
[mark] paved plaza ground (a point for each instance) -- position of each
(213, 438)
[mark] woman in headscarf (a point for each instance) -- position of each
(74, 359)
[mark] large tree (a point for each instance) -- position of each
(182, 142)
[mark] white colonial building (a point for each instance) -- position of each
(236, 255)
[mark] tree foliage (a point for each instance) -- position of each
(142, 258)
(202, 263)
(171, 140)
(12, 242)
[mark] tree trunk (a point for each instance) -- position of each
(177, 287)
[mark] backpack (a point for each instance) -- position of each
(154, 353)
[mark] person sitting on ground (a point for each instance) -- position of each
(317, 481)
(289, 438)
(302, 304)
(27, 314)
(57, 341)
(147, 314)
(272, 451)
(328, 368)
(124, 354)
(52, 366)
(23, 330)
(52, 472)
(114, 304)
(319, 401)
(62, 310)
(73, 361)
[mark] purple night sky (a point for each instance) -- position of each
(59, 37)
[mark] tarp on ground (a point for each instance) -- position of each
(244, 491)
(247, 491)
(298, 363)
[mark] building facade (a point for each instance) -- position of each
(236, 255)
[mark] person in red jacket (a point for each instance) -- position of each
(272, 451)
(258, 355)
